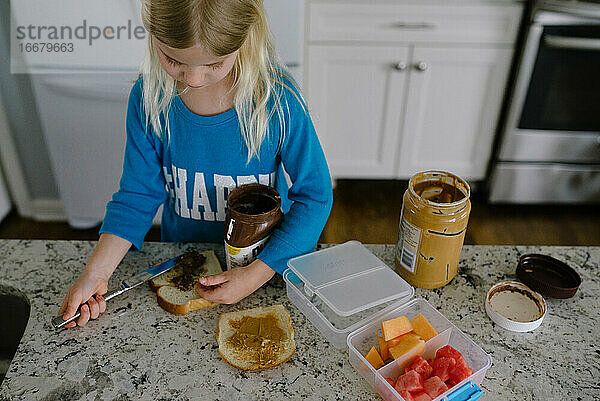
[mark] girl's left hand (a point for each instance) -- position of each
(236, 284)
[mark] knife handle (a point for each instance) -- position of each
(58, 322)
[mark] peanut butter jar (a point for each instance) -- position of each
(433, 222)
(253, 212)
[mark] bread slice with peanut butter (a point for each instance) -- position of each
(259, 338)
(175, 288)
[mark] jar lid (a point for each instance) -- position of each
(515, 307)
(548, 276)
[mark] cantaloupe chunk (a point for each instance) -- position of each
(422, 327)
(397, 340)
(374, 358)
(383, 349)
(395, 327)
(411, 343)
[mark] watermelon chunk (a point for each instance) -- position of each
(390, 381)
(410, 381)
(421, 366)
(448, 352)
(421, 397)
(434, 386)
(459, 372)
(442, 367)
(406, 395)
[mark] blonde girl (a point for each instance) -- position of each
(213, 109)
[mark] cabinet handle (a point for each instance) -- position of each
(572, 43)
(413, 25)
(421, 66)
(401, 66)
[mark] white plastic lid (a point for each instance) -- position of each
(349, 279)
(515, 307)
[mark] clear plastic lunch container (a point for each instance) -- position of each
(346, 292)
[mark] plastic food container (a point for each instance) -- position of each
(346, 292)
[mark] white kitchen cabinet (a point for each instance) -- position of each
(356, 96)
(395, 88)
(414, 21)
(452, 107)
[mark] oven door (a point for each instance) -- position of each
(564, 91)
(555, 113)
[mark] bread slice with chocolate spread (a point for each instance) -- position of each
(175, 288)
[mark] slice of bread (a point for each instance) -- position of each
(259, 338)
(174, 288)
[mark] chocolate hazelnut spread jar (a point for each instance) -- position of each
(253, 212)
(433, 222)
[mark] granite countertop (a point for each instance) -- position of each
(137, 351)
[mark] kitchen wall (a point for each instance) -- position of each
(23, 120)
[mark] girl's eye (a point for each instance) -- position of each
(173, 62)
(216, 66)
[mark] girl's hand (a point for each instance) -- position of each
(235, 284)
(87, 292)
(93, 281)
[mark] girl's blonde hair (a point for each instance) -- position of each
(222, 27)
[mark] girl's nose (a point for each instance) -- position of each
(194, 77)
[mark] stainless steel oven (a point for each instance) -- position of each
(550, 146)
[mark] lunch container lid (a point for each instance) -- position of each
(343, 287)
(349, 278)
(548, 276)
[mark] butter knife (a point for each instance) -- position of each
(124, 286)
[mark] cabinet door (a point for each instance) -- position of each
(453, 103)
(355, 94)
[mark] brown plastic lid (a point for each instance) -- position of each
(548, 276)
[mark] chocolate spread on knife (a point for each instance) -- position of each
(191, 268)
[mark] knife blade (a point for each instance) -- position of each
(124, 286)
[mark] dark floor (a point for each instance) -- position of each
(16, 227)
(368, 211)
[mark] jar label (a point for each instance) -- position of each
(408, 244)
(237, 257)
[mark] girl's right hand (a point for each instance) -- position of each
(87, 292)
(93, 281)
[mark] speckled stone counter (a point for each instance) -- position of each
(137, 351)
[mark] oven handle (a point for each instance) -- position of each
(572, 43)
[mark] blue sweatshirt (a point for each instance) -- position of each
(206, 157)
